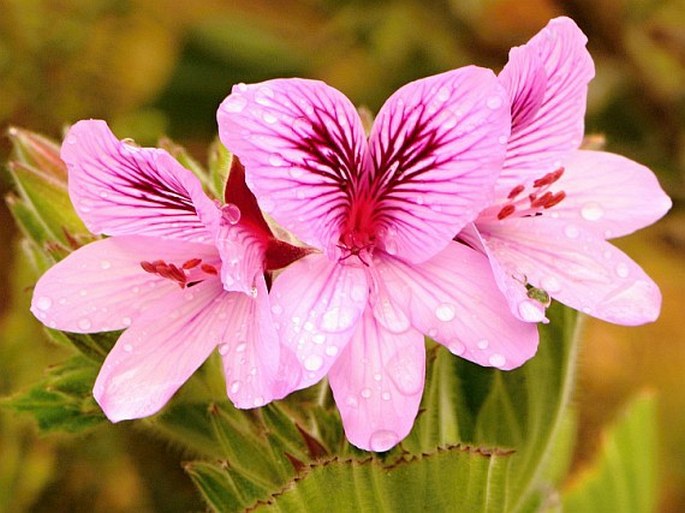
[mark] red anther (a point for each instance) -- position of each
(516, 191)
(506, 211)
(176, 274)
(555, 199)
(193, 262)
(148, 267)
(209, 269)
(549, 178)
(542, 200)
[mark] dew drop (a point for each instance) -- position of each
(313, 362)
(497, 360)
(456, 347)
(443, 94)
(128, 348)
(235, 386)
(126, 321)
(383, 440)
(571, 232)
(592, 211)
(230, 213)
(258, 401)
(377, 376)
(337, 319)
(622, 270)
(240, 348)
(276, 160)
(331, 350)
(319, 338)
(43, 303)
(483, 343)
(276, 309)
(351, 402)
(235, 102)
(269, 118)
(84, 324)
(432, 333)
(365, 393)
(224, 349)
(445, 312)
(385, 396)
(391, 247)
(105, 264)
(241, 87)
(71, 140)
(494, 102)
(530, 312)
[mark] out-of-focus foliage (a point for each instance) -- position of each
(148, 67)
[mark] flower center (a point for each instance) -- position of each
(190, 273)
(539, 199)
(358, 238)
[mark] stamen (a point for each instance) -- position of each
(515, 191)
(541, 201)
(209, 269)
(193, 262)
(506, 211)
(549, 178)
(555, 199)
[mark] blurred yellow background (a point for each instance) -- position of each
(153, 68)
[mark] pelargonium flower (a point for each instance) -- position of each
(383, 212)
(556, 205)
(179, 273)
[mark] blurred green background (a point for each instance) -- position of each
(154, 68)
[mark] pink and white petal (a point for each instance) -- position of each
(608, 194)
(437, 147)
(377, 384)
(121, 189)
(512, 286)
(160, 351)
(538, 142)
(304, 150)
(575, 267)
(316, 304)
(454, 299)
(257, 369)
(242, 254)
(102, 286)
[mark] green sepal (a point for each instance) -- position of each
(219, 164)
(37, 151)
(63, 401)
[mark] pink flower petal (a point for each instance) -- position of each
(540, 138)
(512, 286)
(377, 384)
(242, 255)
(159, 352)
(102, 286)
(256, 367)
(316, 305)
(437, 147)
(608, 194)
(454, 299)
(576, 267)
(120, 189)
(303, 147)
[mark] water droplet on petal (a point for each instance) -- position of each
(443, 94)
(377, 376)
(332, 350)
(313, 362)
(530, 311)
(365, 393)
(71, 140)
(571, 232)
(622, 270)
(84, 324)
(592, 211)
(235, 386)
(276, 309)
(337, 319)
(235, 103)
(224, 349)
(445, 312)
(319, 338)
(241, 87)
(128, 348)
(497, 360)
(276, 160)
(483, 343)
(385, 396)
(126, 321)
(383, 440)
(230, 213)
(240, 348)
(269, 118)
(296, 172)
(351, 402)
(494, 102)
(105, 264)
(43, 303)
(390, 247)
(258, 401)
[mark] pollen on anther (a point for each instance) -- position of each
(555, 199)
(193, 262)
(549, 178)
(506, 211)
(515, 191)
(209, 269)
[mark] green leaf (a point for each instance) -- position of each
(63, 401)
(623, 478)
(452, 479)
(219, 164)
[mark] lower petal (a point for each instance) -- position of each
(316, 304)
(454, 299)
(160, 351)
(576, 267)
(377, 384)
(102, 286)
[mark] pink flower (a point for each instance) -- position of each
(180, 274)
(383, 211)
(555, 206)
